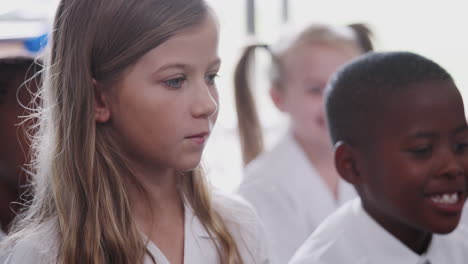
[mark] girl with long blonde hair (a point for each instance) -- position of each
(294, 186)
(128, 101)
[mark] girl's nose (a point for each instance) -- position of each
(205, 102)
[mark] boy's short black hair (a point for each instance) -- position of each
(355, 92)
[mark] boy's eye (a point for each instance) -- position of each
(175, 82)
(211, 79)
(461, 148)
(422, 151)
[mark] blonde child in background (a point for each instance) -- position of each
(295, 186)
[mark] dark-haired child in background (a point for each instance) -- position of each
(398, 125)
(16, 86)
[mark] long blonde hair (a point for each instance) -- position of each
(354, 37)
(79, 172)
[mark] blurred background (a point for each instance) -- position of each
(433, 28)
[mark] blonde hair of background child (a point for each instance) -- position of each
(354, 37)
(79, 172)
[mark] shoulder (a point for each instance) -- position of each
(244, 225)
(234, 209)
(332, 240)
(264, 165)
(266, 174)
(39, 246)
(274, 159)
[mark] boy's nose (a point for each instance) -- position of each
(452, 167)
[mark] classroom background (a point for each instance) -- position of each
(432, 28)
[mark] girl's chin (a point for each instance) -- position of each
(189, 166)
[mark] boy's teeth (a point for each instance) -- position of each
(445, 198)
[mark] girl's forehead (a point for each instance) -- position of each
(316, 51)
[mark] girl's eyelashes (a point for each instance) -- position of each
(211, 78)
(316, 90)
(175, 83)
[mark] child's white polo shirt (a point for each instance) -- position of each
(351, 236)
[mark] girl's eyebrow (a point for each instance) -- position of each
(171, 66)
(216, 62)
(182, 66)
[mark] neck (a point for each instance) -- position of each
(320, 154)
(415, 239)
(159, 200)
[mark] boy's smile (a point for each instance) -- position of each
(414, 179)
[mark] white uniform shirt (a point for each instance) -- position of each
(199, 248)
(290, 196)
(350, 235)
(2, 236)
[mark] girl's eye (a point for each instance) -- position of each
(175, 82)
(318, 90)
(211, 79)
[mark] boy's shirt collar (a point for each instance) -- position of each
(388, 245)
(442, 248)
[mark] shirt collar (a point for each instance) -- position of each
(388, 248)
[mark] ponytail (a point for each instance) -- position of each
(250, 131)
(364, 36)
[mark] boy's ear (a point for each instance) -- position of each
(277, 97)
(101, 106)
(346, 163)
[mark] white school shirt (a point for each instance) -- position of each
(351, 236)
(290, 196)
(2, 236)
(199, 248)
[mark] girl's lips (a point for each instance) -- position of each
(199, 138)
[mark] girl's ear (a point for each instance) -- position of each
(346, 163)
(277, 97)
(101, 105)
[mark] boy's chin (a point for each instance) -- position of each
(445, 226)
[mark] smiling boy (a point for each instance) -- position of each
(397, 122)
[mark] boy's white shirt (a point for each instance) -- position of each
(464, 218)
(290, 196)
(199, 247)
(350, 235)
